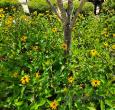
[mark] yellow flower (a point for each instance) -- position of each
(113, 46)
(34, 48)
(23, 38)
(9, 21)
(113, 35)
(54, 30)
(95, 83)
(105, 44)
(93, 53)
(54, 105)
(64, 46)
(70, 79)
(25, 79)
(10, 18)
(37, 75)
(1, 15)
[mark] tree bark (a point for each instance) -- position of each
(67, 38)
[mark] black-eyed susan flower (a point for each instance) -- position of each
(23, 38)
(1, 15)
(35, 48)
(95, 83)
(54, 30)
(9, 21)
(70, 79)
(113, 46)
(25, 79)
(53, 105)
(10, 18)
(64, 46)
(105, 44)
(93, 53)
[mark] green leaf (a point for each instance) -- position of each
(22, 91)
(110, 103)
(102, 105)
(36, 105)
(91, 108)
(59, 99)
(42, 102)
(19, 103)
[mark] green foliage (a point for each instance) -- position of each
(42, 6)
(33, 71)
(88, 8)
(110, 4)
(8, 2)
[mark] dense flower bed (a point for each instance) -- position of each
(34, 75)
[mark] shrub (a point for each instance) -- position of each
(42, 6)
(7, 3)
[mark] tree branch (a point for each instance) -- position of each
(69, 9)
(54, 9)
(62, 10)
(77, 13)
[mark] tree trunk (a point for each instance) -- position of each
(65, 15)
(67, 38)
